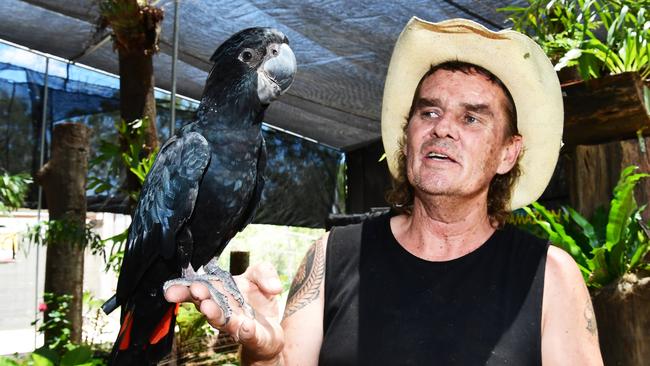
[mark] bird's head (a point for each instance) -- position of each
(257, 55)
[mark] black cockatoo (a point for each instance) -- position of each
(202, 189)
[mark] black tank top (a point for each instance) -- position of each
(385, 306)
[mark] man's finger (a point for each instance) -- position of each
(264, 276)
(266, 341)
(247, 333)
(199, 291)
(212, 313)
(178, 293)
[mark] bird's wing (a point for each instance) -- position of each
(166, 202)
(253, 204)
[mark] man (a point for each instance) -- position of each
(442, 282)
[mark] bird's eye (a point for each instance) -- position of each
(246, 55)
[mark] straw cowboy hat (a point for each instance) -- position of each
(511, 56)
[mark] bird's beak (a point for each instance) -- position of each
(282, 68)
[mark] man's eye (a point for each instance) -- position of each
(470, 119)
(430, 114)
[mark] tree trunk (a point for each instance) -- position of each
(595, 169)
(624, 321)
(64, 182)
(137, 91)
(137, 101)
(623, 317)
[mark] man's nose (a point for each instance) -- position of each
(444, 127)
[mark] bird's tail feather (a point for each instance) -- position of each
(139, 343)
(110, 305)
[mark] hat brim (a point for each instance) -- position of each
(512, 57)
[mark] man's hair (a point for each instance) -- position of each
(401, 195)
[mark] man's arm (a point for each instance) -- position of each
(303, 314)
(569, 333)
(263, 340)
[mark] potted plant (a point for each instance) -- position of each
(611, 250)
(606, 43)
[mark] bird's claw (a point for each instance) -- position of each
(218, 297)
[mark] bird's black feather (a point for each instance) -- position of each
(204, 187)
(166, 203)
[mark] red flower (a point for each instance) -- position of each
(42, 307)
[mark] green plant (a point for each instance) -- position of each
(74, 356)
(57, 307)
(194, 330)
(608, 246)
(134, 159)
(66, 231)
(13, 189)
(94, 319)
(60, 351)
(116, 251)
(596, 36)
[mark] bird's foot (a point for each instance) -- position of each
(225, 278)
(215, 274)
(218, 297)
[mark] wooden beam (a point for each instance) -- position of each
(606, 109)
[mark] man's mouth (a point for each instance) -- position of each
(439, 157)
(433, 155)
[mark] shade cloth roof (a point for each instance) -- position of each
(342, 47)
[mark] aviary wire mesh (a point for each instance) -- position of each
(301, 176)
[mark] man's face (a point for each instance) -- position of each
(455, 140)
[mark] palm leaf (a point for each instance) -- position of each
(557, 235)
(587, 229)
(622, 206)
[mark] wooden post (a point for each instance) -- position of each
(368, 178)
(623, 321)
(64, 182)
(595, 169)
(239, 262)
(608, 113)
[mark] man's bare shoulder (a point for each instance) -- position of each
(569, 332)
(561, 266)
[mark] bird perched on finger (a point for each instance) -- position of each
(203, 188)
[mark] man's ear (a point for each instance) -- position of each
(510, 153)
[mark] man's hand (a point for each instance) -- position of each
(262, 338)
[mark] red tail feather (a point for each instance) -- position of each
(163, 326)
(125, 331)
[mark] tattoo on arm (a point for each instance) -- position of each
(591, 319)
(305, 287)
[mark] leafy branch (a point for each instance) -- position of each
(610, 244)
(66, 231)
(136, 160)
(13, 190)
(595, 36)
